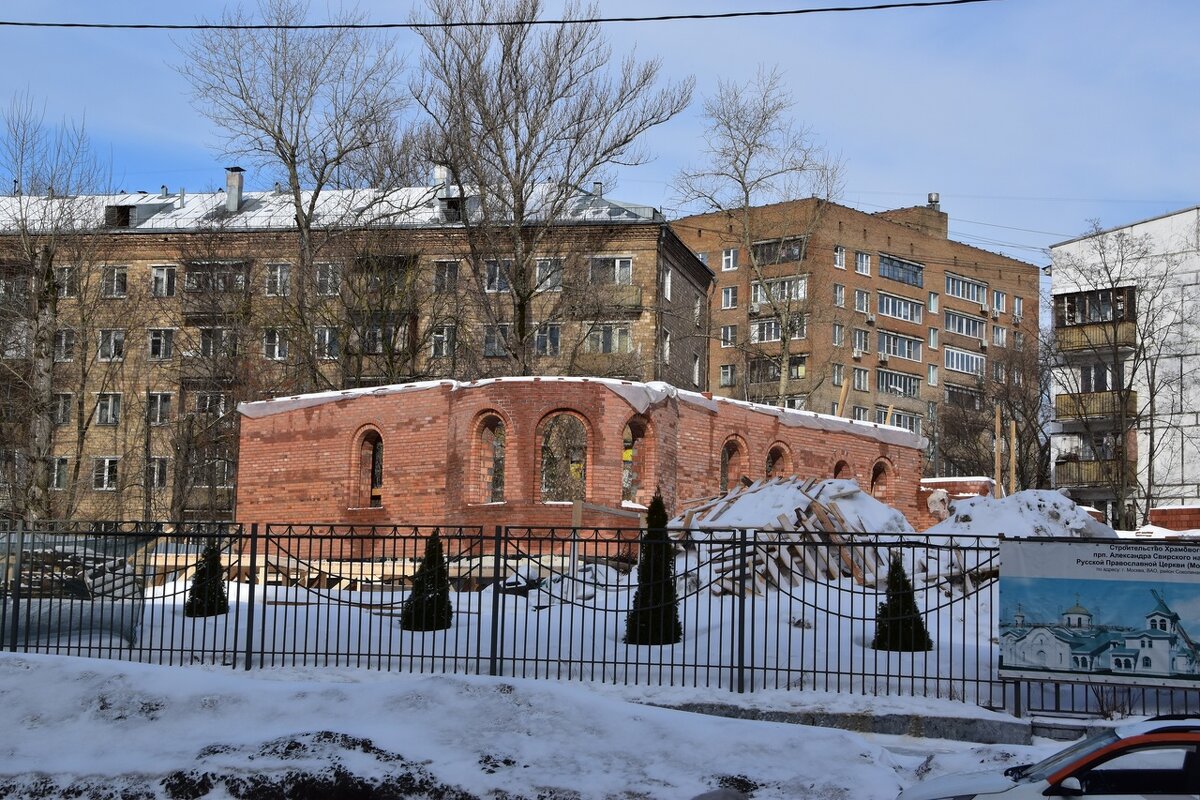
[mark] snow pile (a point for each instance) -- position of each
(107, 728)
(1024, 514)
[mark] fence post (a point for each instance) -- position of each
(494, 654)
(250, 593)
(15, 585)
(743, 553)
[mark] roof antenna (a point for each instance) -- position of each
(16, 187)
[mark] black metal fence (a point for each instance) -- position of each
(757, 610)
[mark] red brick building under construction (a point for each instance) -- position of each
(520, 451)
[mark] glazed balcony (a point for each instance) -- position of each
(1093, 405)
(1098, 337)
(1092, 473)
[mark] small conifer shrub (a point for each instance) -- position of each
(427, 607)
(898, 624)
(654, 618)
(206, 597)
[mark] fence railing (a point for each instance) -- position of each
(756, 610)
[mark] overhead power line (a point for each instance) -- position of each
(207, 26)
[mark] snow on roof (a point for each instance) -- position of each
(402, 207)
(1036, 512)
(640, 397)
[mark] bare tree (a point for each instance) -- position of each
(521, 116)
(51, 218)
(318, 109)
(755, 153)
(1121, 333)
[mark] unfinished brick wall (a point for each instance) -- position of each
(301, 458)
(1177, 518)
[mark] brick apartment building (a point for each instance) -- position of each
(888, 316)
(172, 308)
(520, 451)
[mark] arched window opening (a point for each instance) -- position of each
(370, 469)
(779, 462)
(491, 460)
(564, 459)
(879, 480)
(633, 461)
(733, 466)
(1146, 661)
(839, 468)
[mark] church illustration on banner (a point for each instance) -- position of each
(1074, 644)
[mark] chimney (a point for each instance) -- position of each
(182, 197)
(935, 201)
(164, 191)
(233, 188)
(598, 189)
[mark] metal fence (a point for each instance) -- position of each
(756, 610)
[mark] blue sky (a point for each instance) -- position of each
(1029, 117)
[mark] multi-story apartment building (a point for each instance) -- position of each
(169, 309)
(1127, 355)
(887, 318)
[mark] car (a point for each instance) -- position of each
(1158, 757)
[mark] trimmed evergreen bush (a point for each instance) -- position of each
(206, 597)
(427, 607)
(899, 625)
(654, 618)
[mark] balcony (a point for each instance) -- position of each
(1092, 473)
(1096, 337)
(1093, 405)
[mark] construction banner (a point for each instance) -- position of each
(1100, 610)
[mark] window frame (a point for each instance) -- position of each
(163, 279)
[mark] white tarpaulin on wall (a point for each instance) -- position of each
(1100, 611)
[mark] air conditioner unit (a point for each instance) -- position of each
(1016, 320)
(982, 344)
(755, 308)
(883, 357)
(983, 308)
(858, 354)
(995, 313)
(870, 319)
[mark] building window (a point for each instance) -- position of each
(862, 380)
(839, 335)
(897, 269)
(64, 345)
(965, 325)
(445, 276)
(778, 251)
(546, 341)
(900, 419)
(797, 367)
(729, 259)
(778, 462)
(114, 281)
(897, 383)
(609, 337)
(933, 375)
(666, 347)
(728, 375)
(999, 336)
(838, 375)
(728, 335)
(839, 295)
(370, 470)
(158, 410)
(862, 263)
(211, 403)
(862, 340)
(162, 281)
(666, 290)
(859, 413)
(932, 304)
(839, 257)
(329, 280)
(902, 308)
(112, 344)
(729, 297)
(779, 290)
(275, 346)
(495, 340)
(326, 342)
(966, 289)
(60, 411)
(492, 441)
(798, 326)
(1018, 308)
(549, 275)
(862, 301)
(66, 281)
(58, 474)
(764, 370)
(733, 465)
(766, 330)
(999, 300)
(216, 342)
(796, 401)
(161, 344)
(933, 338)
(564, 459)
(215, 276)
(609, 271)
(893, 344)
(695, 370)
(442, 341)
(961, 361)
(104, 473)
(1018, 341)
(496, 276)
(279, 280)
(998, 372)
(156, 473)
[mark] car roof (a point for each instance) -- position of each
(1164, 723)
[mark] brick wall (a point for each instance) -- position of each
(300, 463)
(1177, 518)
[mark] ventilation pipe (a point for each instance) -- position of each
(234, 176)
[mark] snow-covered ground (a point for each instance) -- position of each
(91, 726)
